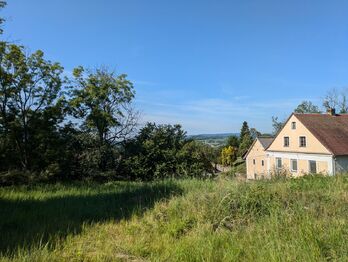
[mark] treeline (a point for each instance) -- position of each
(82, 126)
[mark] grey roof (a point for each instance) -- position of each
(265, 141)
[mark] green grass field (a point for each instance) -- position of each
(185, 220)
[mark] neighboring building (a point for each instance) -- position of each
(308, 143)
(256, 158)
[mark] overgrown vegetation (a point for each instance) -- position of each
(302, 219)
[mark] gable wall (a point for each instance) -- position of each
(258, 153)
(313, 144)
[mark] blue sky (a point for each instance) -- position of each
(208, 65)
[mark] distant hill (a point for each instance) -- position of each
(213, 139)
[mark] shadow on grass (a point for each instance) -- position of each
(27, 223)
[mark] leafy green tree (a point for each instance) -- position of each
(195, 160)
(153, 152)
(102, 100)
(307, 107)
(233, 141)
(29, 86)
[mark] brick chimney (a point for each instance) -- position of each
(331, 111)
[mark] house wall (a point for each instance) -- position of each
(314, 150)
(313, 144)
(341, 163)
(324, 163)
(258, 154)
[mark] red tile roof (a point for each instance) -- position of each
(331, 131)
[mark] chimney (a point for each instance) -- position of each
(331, 111)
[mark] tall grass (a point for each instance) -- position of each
(301, 219)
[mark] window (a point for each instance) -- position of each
(312, 167)
(279, 162)
(293, 125)
(254, 161)
(303, 142)
(293, 165)
(262, 163)
(286, 141)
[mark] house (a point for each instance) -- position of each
(307, 143)
(256, 158)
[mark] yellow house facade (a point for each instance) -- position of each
(307, 143)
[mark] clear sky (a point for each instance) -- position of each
(208, 65)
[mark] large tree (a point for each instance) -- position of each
(102, 100)
(29, 85)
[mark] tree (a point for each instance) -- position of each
(228, 156)
(29, 85)
(343, 104)
(153, 152)
(307, 107)
(2, 5)
(233, 141)
(102, 100)
(244, 130)
(331, 99)
(195, 159)
(245, 139)
(254, 133)
(336, 99)
(277, 124)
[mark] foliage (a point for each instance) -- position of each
(102, 100)
(160, 151)
(29, 99)
(303, 219)
(244, 131)
(2, 5)
(233, 141)
(245, 138)
(195, 160)
(228, 155)
(307, 107)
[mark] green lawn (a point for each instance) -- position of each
(185, 220)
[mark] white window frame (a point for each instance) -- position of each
(292, 166)
(281, 162)
(305, 141)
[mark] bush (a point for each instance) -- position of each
(163, 151)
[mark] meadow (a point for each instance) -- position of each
(301, 219)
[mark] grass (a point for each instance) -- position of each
(301, 219)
